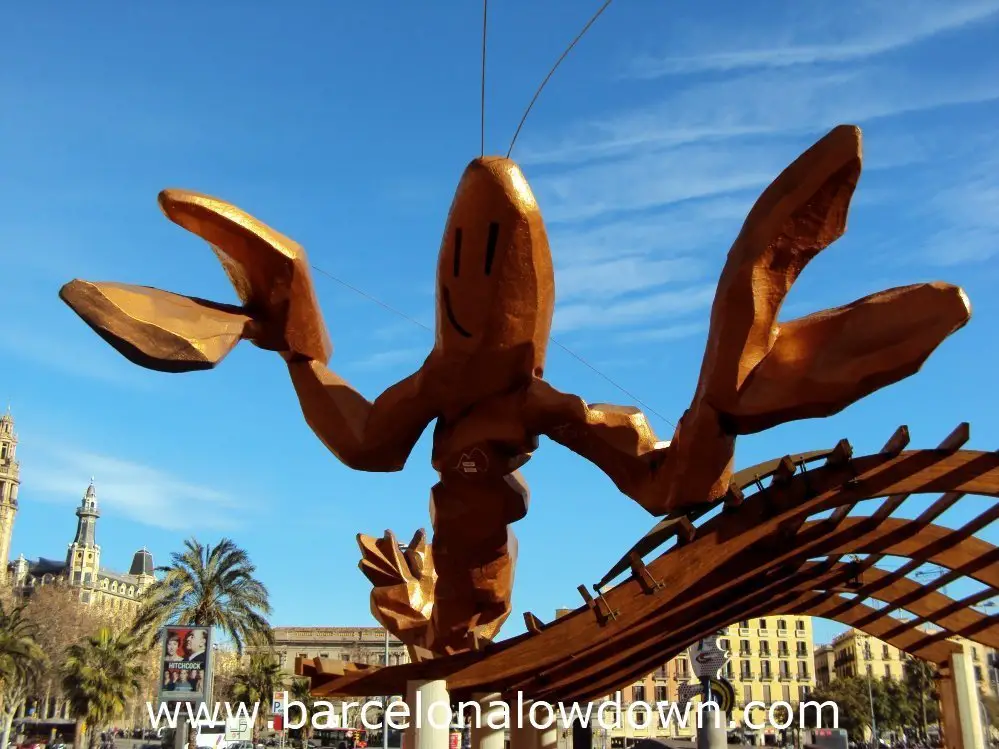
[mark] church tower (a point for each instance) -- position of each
(84, 557)
(10, 479)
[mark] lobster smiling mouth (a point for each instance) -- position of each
(450, 314)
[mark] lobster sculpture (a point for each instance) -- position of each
(483, 380)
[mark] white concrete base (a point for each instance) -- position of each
(429, 711)
(523, 735)
(485, 736)
(968, 707)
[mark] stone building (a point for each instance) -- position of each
(356, 644)
(81, 568)
(856, 653)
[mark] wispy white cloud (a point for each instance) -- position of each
(772, 103)
(972, 223)
(611, 278)
(667, 333)
(871, 29)
(75, 357)
(139, 492)
(393, 357)
(647, 181)
(650, 309)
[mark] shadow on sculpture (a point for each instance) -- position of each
(483, 384)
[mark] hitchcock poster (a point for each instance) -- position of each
(186, 672)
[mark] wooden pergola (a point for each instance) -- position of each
(784, 541)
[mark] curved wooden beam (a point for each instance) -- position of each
(730, 559)
(804, 605)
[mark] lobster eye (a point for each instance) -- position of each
(457, 251)
(491, 246)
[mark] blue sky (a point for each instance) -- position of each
(347, 126)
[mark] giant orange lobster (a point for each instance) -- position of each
(483, 380)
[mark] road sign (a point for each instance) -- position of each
(277, 703)
(707, 658)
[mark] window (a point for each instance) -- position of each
(802, 693)
(723, 644)
(974, 654)
(885, 653)
(887, 671)
(802, 669)
(782, 648)
(978, 673)
(781, 625)
(765, 669)
(746, 667)
(744, 647)
(729, 670)
(763, 623)
(786, 692)
(784, 669)
(638, 694)
(870, 670)
(744, 624)
(764, 648)
(799, 625)
(766, 694)
(661, 695)
(346, 657)
(327, 655)
(802, 649)
(747, 694)
(306, 655)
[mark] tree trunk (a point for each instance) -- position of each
(80, 737)
(8, 721)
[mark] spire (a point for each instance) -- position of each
(86, 527)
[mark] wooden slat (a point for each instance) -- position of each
(533, 623)
(897, 443)
(956, 439)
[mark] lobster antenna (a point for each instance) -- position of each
(552, 72)
(482, 114)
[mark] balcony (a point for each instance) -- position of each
(786, 677)
(800, 633)
(744, 631)
(766, 677)
(764, 633)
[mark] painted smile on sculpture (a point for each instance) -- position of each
(446, 296)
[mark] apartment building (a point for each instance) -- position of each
(855, 653)
(770, 660)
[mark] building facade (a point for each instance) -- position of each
(770, 660)
(81, 568)
(825, 665)
(354, 644)
(858, 654)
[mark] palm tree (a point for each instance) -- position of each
(301, 691)
(21, 659)
(208, 586)
(100, 675)
(256, 684)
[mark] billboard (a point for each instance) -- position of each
(186, 674)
